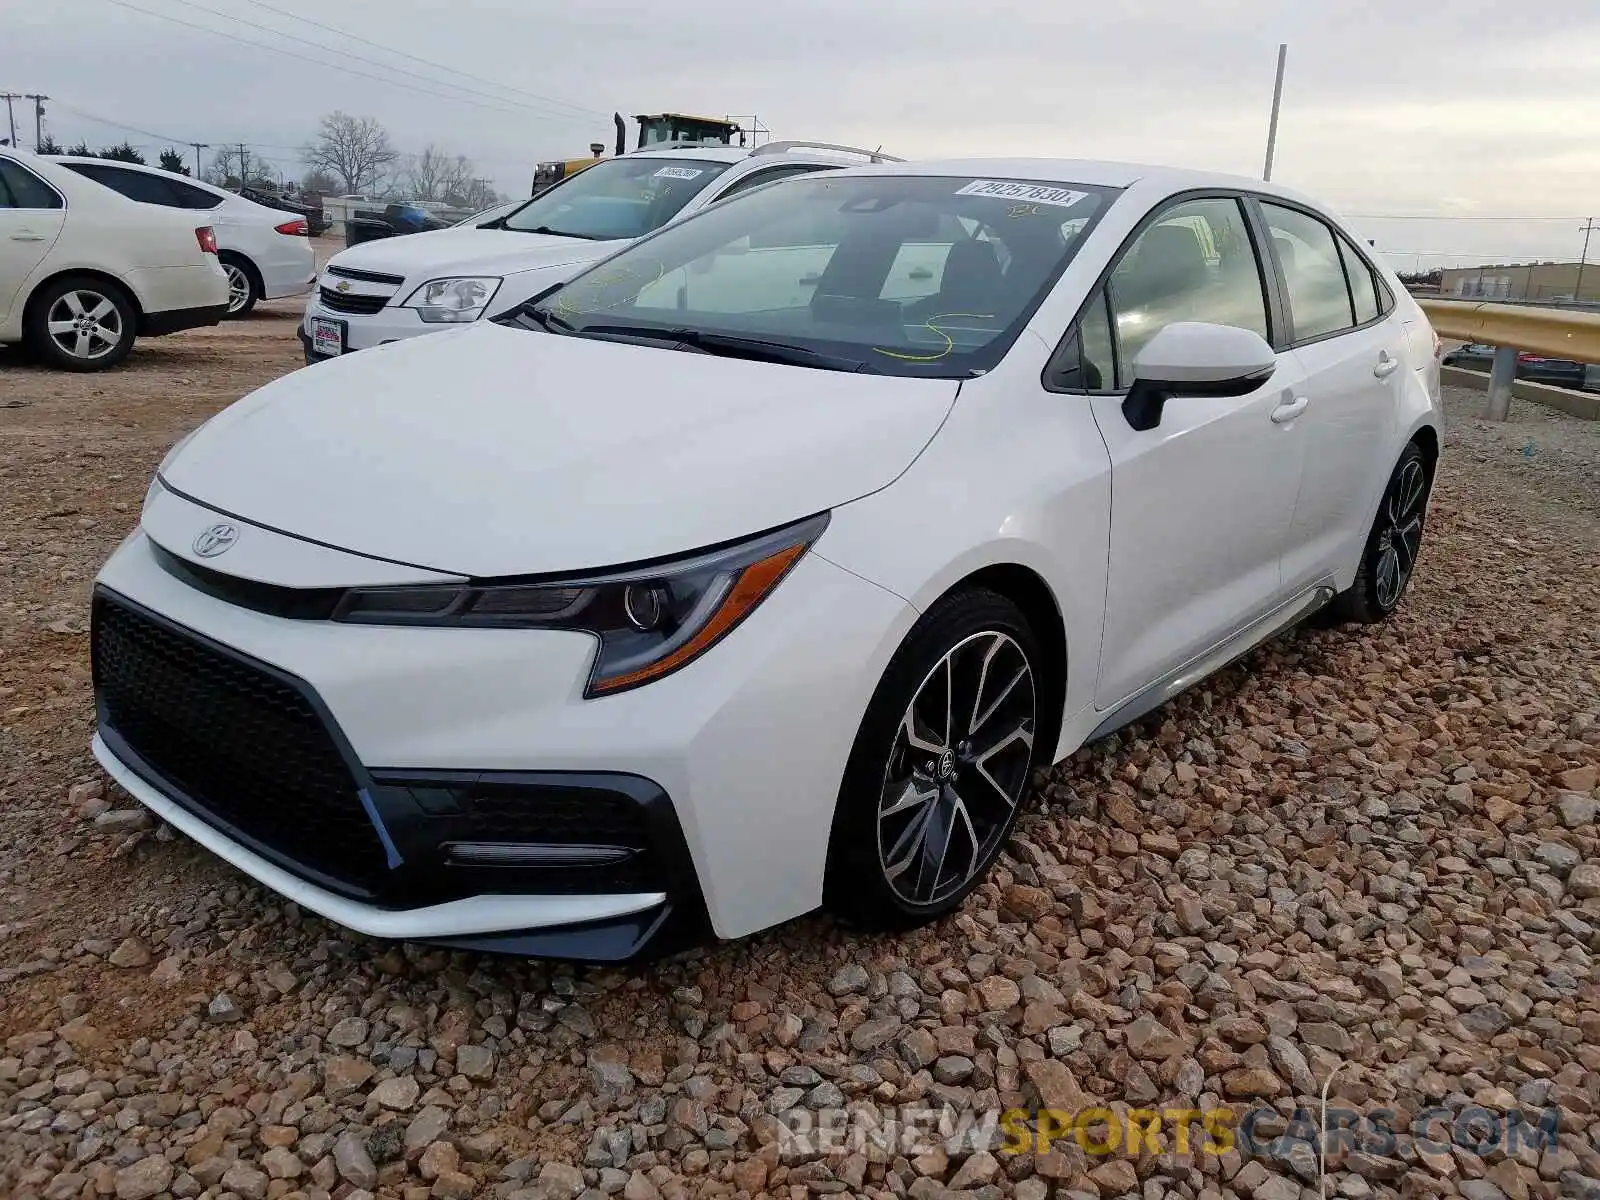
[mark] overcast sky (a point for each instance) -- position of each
(1468, 109)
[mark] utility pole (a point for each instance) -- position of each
(1577, 291)
(38, 117)
(11, 117)
(1277, 100)
(198, 146)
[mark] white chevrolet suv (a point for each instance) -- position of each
(395, 288)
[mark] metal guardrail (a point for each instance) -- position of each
(1557, 333)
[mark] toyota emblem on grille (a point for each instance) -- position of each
(216, 540)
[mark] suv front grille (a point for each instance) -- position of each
(237, 742)
(351, 302)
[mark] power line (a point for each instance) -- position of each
(577, 108)
(317, 62)
(358, 57)
(87, 116)
(1446, 217)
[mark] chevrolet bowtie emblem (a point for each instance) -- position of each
(344, 286)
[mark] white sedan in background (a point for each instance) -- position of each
(265, 251)
(84, 271)
(758, 567)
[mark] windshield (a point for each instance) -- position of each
(897, 274)
(493, 213)
(624, 197)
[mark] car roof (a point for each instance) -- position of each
(1096, 172)
(712, 153)
(148, 170)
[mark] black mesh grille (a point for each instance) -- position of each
(242, 747)
(351, 302)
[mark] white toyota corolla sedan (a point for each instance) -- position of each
(757, 567)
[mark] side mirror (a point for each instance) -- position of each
(1195, 358)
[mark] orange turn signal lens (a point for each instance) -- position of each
(752, 585)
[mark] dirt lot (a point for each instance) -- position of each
(1375, 847)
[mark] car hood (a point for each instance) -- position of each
(495, 451)
(468, 251)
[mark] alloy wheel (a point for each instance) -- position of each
(958, 769)
(84, 324)
(1401, 536)
(238, 287)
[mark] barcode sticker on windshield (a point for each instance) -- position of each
(679, 172)
(1033, 193)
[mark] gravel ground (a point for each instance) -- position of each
(1372, 847)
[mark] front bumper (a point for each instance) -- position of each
(734, 762)
(366, 330)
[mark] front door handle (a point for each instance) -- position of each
(1386, 365)
(26, 235)
(1290, 409)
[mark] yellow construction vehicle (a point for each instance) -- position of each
(656, 131)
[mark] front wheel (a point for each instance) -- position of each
(1390, 557)
(940, 766)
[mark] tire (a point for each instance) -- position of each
(1389, 559)
(908, 785)
(244, 285)
(80, 323)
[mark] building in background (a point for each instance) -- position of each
(1549, 281)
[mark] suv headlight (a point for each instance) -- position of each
(650, 620)
(455, 300)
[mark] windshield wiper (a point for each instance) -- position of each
(546, 319)
(586, 237)
(729, 345)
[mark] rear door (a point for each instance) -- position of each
(32, 215)
(1353, 351)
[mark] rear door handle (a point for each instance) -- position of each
(26, 235)
(1290, 409)
(1386, 365)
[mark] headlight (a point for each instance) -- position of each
(650, 620)
(448, 301)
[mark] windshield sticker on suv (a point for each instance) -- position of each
(679, 172)
(1033, 193)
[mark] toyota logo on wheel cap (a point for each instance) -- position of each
(216, 540)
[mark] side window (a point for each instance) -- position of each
(21, 188)
(1319, 301)
(1363, 292)
(135, 185)
(192, 197)
(1086, 363)
(1196, 263)
(756, 178)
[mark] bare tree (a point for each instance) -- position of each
(317, 182)
(355, 150)
(436, 175)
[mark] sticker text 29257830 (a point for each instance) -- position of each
(1034, 193)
